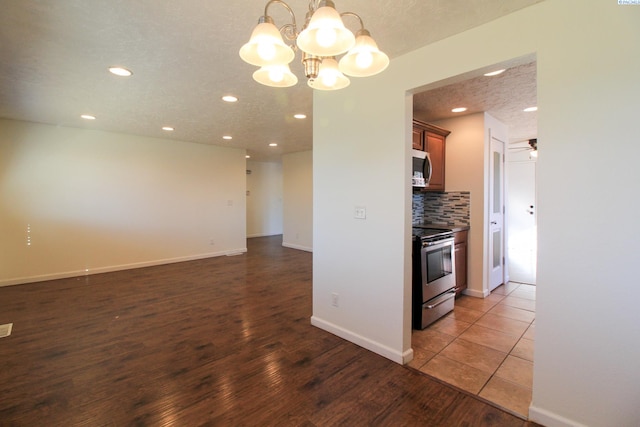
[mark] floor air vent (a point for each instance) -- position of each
(5, 330)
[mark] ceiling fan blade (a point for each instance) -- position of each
(532, 143)
(519, 142)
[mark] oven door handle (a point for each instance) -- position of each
(438, 244)
(442, 299)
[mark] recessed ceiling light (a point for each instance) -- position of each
(119, 71)
(88, 117)
(300, 116)
(530, 109)
(247, 156)
(227, 137)
(229, 98)
(494, 73)
(459, 110)
(168, 128)
(273, 144)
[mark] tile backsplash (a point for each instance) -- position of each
(442, 208)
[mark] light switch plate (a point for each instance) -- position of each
(360, 212)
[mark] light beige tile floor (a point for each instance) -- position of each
(485, 346)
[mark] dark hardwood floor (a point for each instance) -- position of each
(221, 341)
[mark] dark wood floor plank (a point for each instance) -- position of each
(220, 341)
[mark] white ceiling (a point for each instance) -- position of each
(54, 57)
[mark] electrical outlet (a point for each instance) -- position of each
(360, 212)
(212, 242)
(335, 300)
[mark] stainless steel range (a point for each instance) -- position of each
(433, 275)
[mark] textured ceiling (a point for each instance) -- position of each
(504, 96)
(54, 57)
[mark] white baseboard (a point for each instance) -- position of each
(249, 236)
(376, 347)
(550, 419)
(108, 269)
(299, 247)
(477, 294)
(407, 356)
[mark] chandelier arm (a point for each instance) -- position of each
(354, 15)
(290, 31)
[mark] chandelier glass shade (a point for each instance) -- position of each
(266, 47)
(364, 59)
(326, 34)
(329, 77)
(323, 37)
(275, 76)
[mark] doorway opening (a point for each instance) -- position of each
(521, 213)
(485, 345)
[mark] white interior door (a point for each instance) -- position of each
(521, 221)
(496, 212)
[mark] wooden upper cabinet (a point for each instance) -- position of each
(418, 139)
(433, 141)
(435, 147)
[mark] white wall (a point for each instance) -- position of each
(297, 171)
(91, 201)
(465, 171)
(264, 199)
(586, 355)
(361, 158)
(588, 56)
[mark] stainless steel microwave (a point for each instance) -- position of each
(421, 169)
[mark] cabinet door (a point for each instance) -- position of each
(418, 143)
(460, 250)
(434, 145)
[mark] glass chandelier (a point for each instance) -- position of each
(322, 39)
